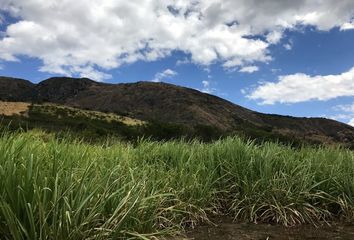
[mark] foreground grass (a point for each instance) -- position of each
(59, 189)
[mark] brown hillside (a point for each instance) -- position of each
(14, 89)
(173, 104)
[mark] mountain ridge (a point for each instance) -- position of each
(169, 103)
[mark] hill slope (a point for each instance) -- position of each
(168, 103)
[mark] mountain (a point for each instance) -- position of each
(167, 103)
(14, 89)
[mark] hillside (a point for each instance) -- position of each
(166, 103)
(84, 124)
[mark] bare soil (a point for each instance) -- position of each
(227, 230)
(13, 108)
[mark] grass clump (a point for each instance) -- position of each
(51, 188)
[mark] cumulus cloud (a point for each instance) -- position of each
(288, 46)
(346, 115)
(275, 70)
(351, 122)
(301, 87)
(209, 86)
(166, 74)
(349, 108)
(182, 62)
(92, 36)
(249, 69)
(347, 26)
(206, 87)
(274, 37)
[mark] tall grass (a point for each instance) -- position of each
(59, 189)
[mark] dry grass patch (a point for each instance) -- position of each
(57, 110)
(13, 108)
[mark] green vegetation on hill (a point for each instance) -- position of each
(58, 189)
(55, 118)
(95, 126)
(188, 112)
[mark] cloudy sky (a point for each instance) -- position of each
(276, 56)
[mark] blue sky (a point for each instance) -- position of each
(286, 58)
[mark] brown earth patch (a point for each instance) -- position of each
(13, 108)
(225, 229)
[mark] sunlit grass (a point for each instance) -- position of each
(58, 189)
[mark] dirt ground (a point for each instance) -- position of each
(226, 230)
(13, 108)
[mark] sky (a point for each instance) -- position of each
(273, 56)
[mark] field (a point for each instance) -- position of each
(62, 188)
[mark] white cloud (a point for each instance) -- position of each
(288, 46)
(347, 113)
(351, 122)
(207, 88)
(249, 69)
(274, 37)
(300, 87)
(83, 71)
(347, 26)
(183, 62)
(275, 70)
(166, 74)
(339, 117)
(206, 83)
(92, 36)
(349, 108)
